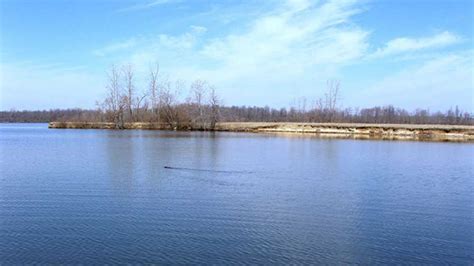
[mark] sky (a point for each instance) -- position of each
(408, 53)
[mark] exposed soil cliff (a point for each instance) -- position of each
(337, 130)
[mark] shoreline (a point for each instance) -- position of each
(455, 133)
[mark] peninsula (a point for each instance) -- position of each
(458, 133)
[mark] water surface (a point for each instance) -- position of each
(97, 196)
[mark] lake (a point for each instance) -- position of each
(105, 196)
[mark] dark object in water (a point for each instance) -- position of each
(206, 170)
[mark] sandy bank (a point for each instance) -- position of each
(335, 130)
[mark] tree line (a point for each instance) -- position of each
(160, 101)
(379, 115)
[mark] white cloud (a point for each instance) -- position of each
(438, 83)
(403, 45)
(289, 50)
(265, 54)
(292, 42)
(116, 47)
(151, 45)
(150, 4)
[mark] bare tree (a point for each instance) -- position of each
(114, 101)
(214, 102)
(198, 94)
(154, 93)
(129, 76)
(141, 106)
(182, 118)
(167, 103)
(332, 97)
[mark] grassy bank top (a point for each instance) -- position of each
(349, 125)
(269, 125)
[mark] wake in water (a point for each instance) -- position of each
(207, 170)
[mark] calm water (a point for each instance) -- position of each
(96, 196)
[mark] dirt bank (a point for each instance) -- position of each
(337, 130)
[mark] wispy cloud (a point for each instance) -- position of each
(287, 50)
(437, 83)
(147, 5)
(257, 52)
(293, 40)
(152, 43)
(404, 45)
(297, 29)
(116, 47)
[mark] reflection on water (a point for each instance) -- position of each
(104, 196)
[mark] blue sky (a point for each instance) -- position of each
(410, 53)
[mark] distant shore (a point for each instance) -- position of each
(332, 130)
